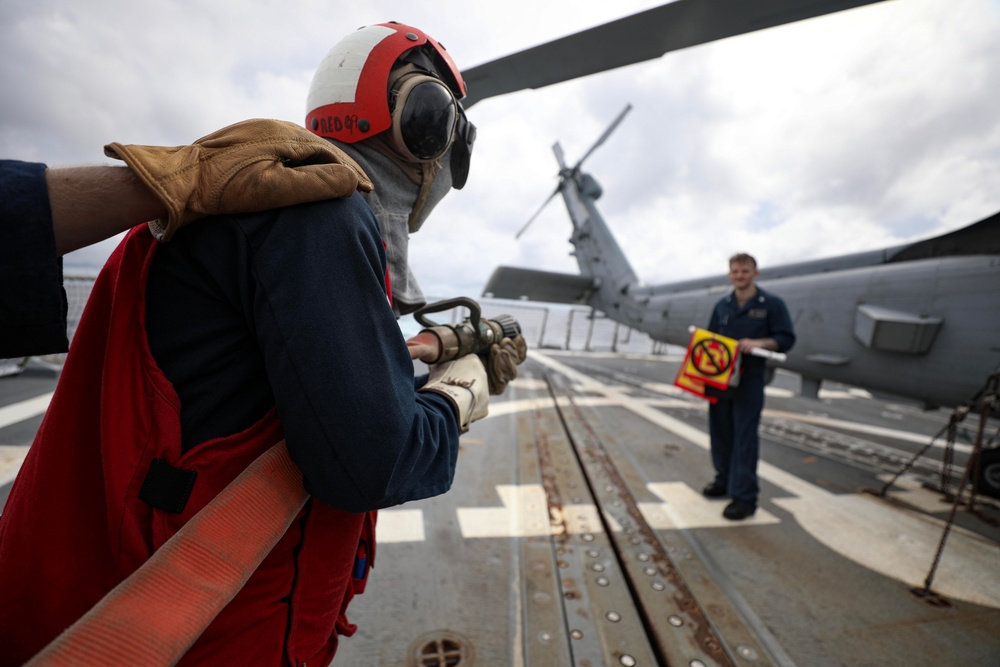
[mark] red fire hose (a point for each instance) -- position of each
(152, 618)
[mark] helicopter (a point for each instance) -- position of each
(917, 321)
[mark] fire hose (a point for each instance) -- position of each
(497, 341)
(155, 615)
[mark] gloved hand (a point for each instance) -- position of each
(254, 165)
(463, 382)
(504, 358)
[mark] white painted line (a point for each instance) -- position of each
(545, 403)
(524, 513)
(865, 428)
(18, 412)
(832, 394)
(900, 544)
(521, 405)
(892, 541)
(11, 459)
(530, 384)
(912, 492)
(399, 526)
(683, 507)
(673, 356)
(838, 394)
(662, 388)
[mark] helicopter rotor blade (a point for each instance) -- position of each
(607, 133)
(560, 156)
(540, 209)
(643, 36)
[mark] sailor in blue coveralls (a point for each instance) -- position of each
(757, 319)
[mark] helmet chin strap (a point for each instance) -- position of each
(429, 172)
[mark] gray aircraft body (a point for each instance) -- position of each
(920, 320)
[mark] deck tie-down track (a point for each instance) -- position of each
(623, 599)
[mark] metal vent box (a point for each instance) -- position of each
(894, 331)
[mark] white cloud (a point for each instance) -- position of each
(849, 132)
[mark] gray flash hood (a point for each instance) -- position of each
(391, 201)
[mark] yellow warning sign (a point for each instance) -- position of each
(692, 385)
(711, 360)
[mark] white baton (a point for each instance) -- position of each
(757, 351)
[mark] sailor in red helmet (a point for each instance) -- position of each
(195, 356)
(420, 128)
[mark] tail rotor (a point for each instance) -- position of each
(571, 173)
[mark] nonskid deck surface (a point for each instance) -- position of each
(576, 534)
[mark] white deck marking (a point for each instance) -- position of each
(866, 428)
(899, 543)
(662, 388)
(11, 459)
(887, 539)
(399, 526)
(529, 384)
(524, 513)
(683, 507)
(18, 412)
(545, 403)
(912, 492)
(895, 542)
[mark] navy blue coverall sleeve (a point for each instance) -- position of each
(340, 371)
(32, 300)
(288, 308)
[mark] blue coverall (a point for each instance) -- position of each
(734, 418)
(32, 300)
(285, 307)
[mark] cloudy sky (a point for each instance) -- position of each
(850, 132)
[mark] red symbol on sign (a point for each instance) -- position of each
(711, 357)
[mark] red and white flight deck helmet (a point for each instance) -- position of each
(394, 77)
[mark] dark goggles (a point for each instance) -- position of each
(430, 121)
(427, 120)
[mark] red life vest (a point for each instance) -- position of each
(74, 525)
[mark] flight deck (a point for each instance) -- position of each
(575, 533)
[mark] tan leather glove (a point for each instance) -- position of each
(504, 358)
(254, 165)
(463, 382)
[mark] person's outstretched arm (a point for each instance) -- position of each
(90, 204)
